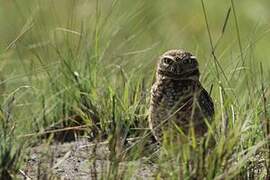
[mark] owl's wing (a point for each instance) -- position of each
(206, 104)
(156, 111)
(156, 94)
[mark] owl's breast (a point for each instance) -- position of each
(177, 94)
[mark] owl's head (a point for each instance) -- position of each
(178, 64)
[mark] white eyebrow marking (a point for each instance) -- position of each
(169, 57)
(193, 57)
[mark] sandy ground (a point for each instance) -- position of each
(81, 160)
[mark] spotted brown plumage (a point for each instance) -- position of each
(177, 96)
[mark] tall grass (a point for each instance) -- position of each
(89, 65)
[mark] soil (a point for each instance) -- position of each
(81, 160)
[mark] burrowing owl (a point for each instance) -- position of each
(177, 96)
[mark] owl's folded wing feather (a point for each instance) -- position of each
(206, 104)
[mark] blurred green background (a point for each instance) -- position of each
(146, 27)
(151, 24)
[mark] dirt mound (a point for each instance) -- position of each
(82, 160)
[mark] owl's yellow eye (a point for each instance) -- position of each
(188, 61)
(167, 61)
(185, 61)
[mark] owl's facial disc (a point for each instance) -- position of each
(181, 65)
